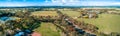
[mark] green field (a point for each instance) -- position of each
(71, 13)
(44, 13)
(106, 22)
(47, 29)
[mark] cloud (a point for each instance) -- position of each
(16, 4)
(116, 3)
(62, 3)
(81, 3)
(100, 3)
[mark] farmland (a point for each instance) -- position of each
(44, 13)
(62, 22)
(106, 22)
(48, 29)
(71, 13)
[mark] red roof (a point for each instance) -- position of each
(35, 34)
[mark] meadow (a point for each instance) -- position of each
(105, 22)
(47, 29)
(44, 13)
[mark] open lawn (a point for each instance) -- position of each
(44, 13)
(47, 29)
(71, 13)
(106, 22)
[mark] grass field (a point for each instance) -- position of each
(44, 13)
(47, 29)
(106, 22)
(71, 13)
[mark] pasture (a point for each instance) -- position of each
(44, 13)
(71, 13)
(105, 22)
(48, 29)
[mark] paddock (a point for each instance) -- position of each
(71, 13)
(44, 13)
(106, 22)
(48, 29)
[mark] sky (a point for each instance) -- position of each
(59, 3)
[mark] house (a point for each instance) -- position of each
(35, 34)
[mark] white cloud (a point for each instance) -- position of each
(62, 3)
(80, 3)
(15, 4)
(101, 3)
(116, 3)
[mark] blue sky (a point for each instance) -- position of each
(59, 2)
